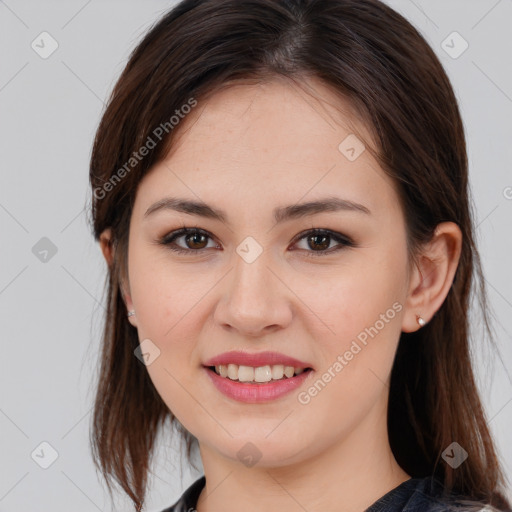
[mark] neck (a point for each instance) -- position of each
(349, 475)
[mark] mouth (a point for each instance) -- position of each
(260, 375)
(257, 377)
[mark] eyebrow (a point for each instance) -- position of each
(281, 214)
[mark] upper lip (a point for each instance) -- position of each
(255, 359)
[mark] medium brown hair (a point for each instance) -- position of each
(372, 56)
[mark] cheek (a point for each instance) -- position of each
(355, 297)
(170, 304)
(168, 307)
(165, 296)
(364, 316)
(362, 308)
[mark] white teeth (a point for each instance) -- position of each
(277, 371)
(289, 371)
(261, 374)
(233, 371)
(257, 374)
(245, 373)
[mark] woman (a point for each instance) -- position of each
(280, 191)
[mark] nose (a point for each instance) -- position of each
(255, 301)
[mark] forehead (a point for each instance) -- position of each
(262, 115)
(273, 141)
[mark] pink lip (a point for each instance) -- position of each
(257, 392)
(256, 359)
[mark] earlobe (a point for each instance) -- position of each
(127, 298)
(130, 310)
(432, 276)
(131, 317)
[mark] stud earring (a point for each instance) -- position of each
(130, 313)
(420, 321)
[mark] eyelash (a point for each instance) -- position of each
(345, 241)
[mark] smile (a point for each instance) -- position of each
(253, 391)
(260, 374)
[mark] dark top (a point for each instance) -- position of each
(413, 495)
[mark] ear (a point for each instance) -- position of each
(108, 250)
(106, 246)
(432, 275)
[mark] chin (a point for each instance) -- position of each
(262, 452)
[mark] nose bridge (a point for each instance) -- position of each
(250, 284)
(254, 299)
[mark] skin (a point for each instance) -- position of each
(247, 150)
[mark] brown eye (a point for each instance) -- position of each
(196, 240)
(318, 242)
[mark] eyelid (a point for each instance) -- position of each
(169, 238)
(343, 241)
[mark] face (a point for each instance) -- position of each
(324, 286)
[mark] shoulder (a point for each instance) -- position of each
(429, 496)
(450, 505)
(188, 500)
(426, 494)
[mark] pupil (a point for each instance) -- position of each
(194, 239)
(325, 238)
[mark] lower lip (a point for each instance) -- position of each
(259, 392)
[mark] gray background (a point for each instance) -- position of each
(51, 305)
